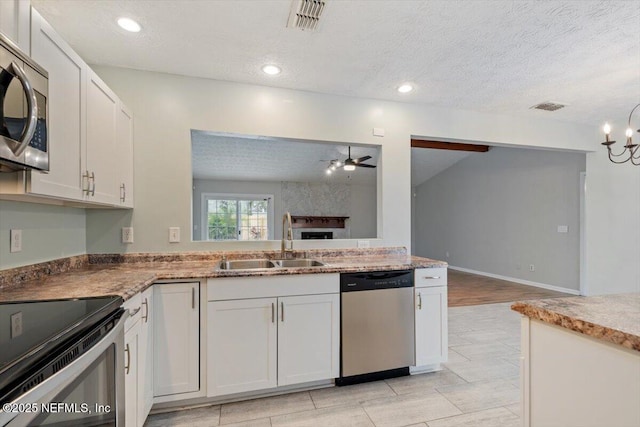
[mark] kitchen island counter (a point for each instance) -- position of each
(611, 318)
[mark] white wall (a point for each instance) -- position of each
(48, 232)
(167, 107)
(498, 212)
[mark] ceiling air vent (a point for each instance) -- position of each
(548, 106)
(305, 14)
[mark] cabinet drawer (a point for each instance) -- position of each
(428, 277)
(228, 288)
(133, 305)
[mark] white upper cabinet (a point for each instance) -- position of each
(90, 131)
(100, 167)
(14, 22)
(66, 119)
(124, 151)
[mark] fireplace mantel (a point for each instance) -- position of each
(306, 221)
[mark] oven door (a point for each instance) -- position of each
(87, 392)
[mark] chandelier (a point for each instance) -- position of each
(630, 151)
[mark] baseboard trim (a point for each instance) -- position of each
(516, 280)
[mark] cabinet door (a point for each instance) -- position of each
(308, 338)
(241, 345)
(145, 357)
(431, 325)
(66, 119)
(176, 338)
(14, 22)
(124, 155)
(131, 375)
(102, 109)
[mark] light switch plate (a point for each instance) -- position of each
(563, 229)
(174, 234)
(378, 131)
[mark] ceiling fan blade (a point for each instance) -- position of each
(364, 165)
(362, 159)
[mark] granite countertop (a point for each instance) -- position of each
(126, 275)
(611, 318)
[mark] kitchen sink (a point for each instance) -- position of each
(298, 263)
(245, 264)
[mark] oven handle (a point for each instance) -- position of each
(48, 389)
(32, 108)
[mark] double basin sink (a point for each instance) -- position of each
(253, 264)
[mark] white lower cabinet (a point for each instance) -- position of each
(145, 357)
(131, 337)
(260, 343)
(138, 360)
(176, 338)
(308, 338)
(241, 345)
(431, 316)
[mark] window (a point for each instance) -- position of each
(237, 217)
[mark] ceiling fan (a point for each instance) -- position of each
(349, 164)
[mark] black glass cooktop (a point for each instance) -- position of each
(30, 330)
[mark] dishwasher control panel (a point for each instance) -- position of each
(372, 280)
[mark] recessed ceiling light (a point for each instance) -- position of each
(405, 88)
(129, 25)
(272, 70)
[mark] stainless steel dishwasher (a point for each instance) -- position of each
(377, 324)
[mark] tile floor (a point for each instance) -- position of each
(477, 388)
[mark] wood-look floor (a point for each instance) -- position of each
(472, 289)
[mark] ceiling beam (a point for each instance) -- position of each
(439, 145)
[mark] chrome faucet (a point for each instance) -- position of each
(286, 219)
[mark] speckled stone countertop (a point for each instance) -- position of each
(612, 318)
(126, 275)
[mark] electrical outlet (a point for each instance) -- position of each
(447, 254)
(16, 324)
(364, 244)
(532, 267)
(127, 234)
(174, 234)
(16, 241)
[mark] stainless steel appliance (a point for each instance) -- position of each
(62, 363)
(23, 111)
(377, 322)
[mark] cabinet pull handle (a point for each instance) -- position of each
(273, 313)
(134, 312)
(123, 191)
(419, 301)
(145, 316)
(126, 367)
(431, 277)
(92, 180)
(193, 298)
(85, 178)
(282, 311)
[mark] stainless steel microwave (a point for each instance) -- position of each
(23, 111)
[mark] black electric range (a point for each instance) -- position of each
(32, 333)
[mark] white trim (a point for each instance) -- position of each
(204, 232)
(516, 280)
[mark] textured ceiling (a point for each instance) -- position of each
(492, 56)
(230, 157)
